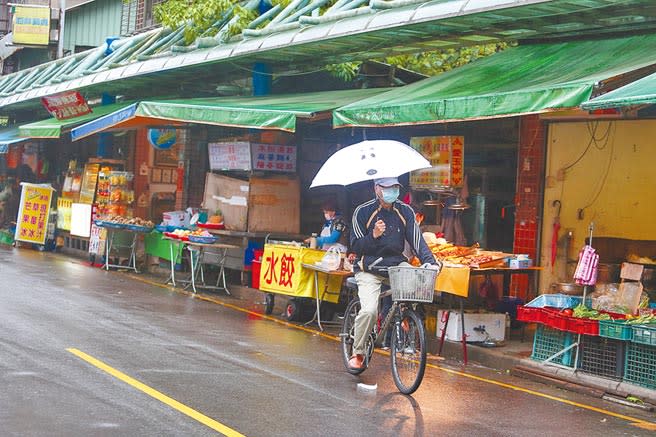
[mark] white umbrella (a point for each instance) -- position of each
(369, 160)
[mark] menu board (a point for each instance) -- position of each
(446, 155)
(235, 155)
(271, 157)
(89, 181)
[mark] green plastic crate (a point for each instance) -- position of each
(548, 342)
(644, 334)
(640, 366)
(617, 329)
(6, 238)
(605, 357)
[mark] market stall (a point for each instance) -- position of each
(283, 272)
(609, 331)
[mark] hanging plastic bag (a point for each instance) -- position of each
(332, 259)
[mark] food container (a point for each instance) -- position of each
(568, 288)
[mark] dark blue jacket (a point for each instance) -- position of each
(400, 226)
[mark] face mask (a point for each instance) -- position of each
(390, 194)
(327, 216)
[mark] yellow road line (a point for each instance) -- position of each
(635, 421)
(207, 421)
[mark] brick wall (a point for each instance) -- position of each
(528, 199)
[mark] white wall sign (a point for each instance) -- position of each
(234, 155)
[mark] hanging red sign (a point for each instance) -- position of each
(68, 104)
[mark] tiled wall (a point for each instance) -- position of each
(530, 169)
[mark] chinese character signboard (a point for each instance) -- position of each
(234, 155)
(270, 157)
(31, 25)
(68, 104)
(32, 219)
(283, 273)
(446, 155)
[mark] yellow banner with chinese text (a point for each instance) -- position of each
(282, 273)
(31, 25)
(33, 214)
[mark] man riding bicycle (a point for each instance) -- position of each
(380, 228)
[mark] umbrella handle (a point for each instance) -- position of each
(556, 203)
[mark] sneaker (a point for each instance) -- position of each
(356, 362)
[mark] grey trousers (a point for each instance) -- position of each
(368, 291)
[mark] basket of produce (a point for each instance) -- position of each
(139, 228)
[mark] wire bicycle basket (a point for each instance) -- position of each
(412, 283)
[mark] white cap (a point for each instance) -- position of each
(387, 182)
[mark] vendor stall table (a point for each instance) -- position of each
(507, 272)
(196, 253)
(320, 295)
(112, 232)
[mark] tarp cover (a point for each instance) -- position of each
(640, 92)
(520, 80)
(52, 128)
(278, 111)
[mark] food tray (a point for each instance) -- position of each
(215, 226)
(617, 329)
(171, 235)
(162, 228)
(644, 334)
(137, 228)
(201, 239)
(112, 225)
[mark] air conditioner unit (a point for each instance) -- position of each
(54, 35)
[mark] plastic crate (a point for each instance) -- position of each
(555, 301)
(530, 315)
(555, 319)
(602, 356)
(640, 365)
(644, 334)
(617, 329)
(582, 326)
(548, 342)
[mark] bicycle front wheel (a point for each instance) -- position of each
(408, 351)
(347, 334)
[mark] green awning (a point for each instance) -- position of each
(8, 136)
(52, 128)
(640, 92)
(520, 80)
(278, 111)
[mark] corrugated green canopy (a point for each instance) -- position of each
(51, 127)
(277, 111)
(520, 80)
(640, 92)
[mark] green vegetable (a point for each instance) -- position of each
(583, 312)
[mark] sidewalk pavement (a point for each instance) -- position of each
(513, 356)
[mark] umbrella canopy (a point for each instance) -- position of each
(369, 160)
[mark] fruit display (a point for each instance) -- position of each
(114, 196)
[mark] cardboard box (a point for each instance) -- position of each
(515, 263)
(176, 218)
(477, 326)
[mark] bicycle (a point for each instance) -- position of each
(409, 286)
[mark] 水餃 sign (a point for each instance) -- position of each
(31, 25)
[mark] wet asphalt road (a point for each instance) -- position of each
(237, 372)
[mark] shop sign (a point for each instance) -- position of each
(161, 139)
(65, 105)
(31, 25)
(33, 214)
(270, 157)
(233, 155)
(282, 272)
(446, 155)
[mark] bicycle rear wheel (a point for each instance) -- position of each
(347, 334)
(408, 351)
